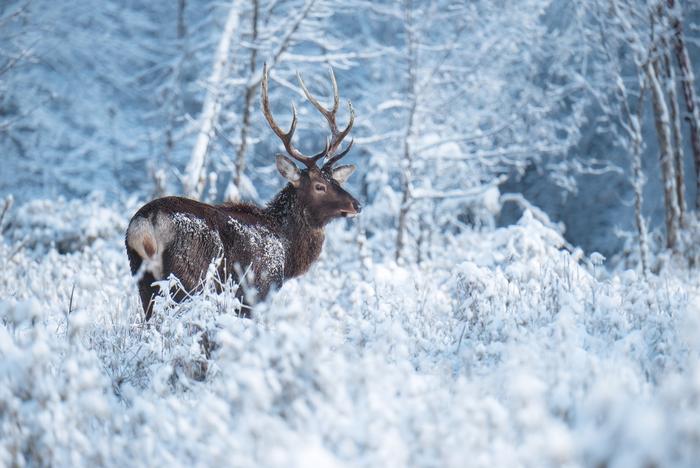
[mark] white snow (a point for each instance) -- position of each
(481, 347)
(272, 247)
(500, 350)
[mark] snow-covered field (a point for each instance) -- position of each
(484, 131)
(500, 350)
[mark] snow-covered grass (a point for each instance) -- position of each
(501, 349)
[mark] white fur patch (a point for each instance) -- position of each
(142, 234)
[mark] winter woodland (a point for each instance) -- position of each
(522, 287)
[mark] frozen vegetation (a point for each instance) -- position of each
(468, 317)
(502, 349)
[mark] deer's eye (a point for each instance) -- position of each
(320, 187)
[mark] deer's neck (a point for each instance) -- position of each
(304, 240)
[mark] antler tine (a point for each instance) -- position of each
(338, 139)
(336, 96)
(341, 136)
(330, 114)
(329, 164)
(285, 137)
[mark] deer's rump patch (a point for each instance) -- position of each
(149, 237)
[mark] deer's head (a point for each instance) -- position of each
(318, 188)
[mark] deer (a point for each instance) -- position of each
(263, 245)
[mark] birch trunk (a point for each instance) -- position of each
(181, 27)
(637, 174)
(677, 133)
(688, 85)
(638, 187)
(195, 174)
(663, 130)
(407, 160)
(406, 199)
(634, 129)
(248, 100)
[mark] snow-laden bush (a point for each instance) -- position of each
(501, 349)
(66, 225)
(661, 258)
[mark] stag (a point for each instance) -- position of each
(257, 247)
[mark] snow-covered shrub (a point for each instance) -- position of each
(53, 406)
(66, 225)
(502, 349)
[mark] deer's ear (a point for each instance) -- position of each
(288, 169)
(342, 173)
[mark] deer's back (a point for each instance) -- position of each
(188, 235)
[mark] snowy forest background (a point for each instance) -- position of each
(521, 288)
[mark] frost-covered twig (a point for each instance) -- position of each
(468, 193)
(6, 205)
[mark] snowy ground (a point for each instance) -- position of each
(502, 350)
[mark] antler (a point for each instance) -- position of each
(308, 161)
(336, 135)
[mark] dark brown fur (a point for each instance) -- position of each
(257, 247)
(277, 242)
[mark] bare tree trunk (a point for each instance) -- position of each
(638, 186)
(195, 174)
(159, 175)
(423, 242)
(181, 26)
(677, 132)
(661, 120)
(688, 85)
(362, 245)
(637, 174)
(159, 183)
(406, 198)
(248, 100)
(407, 160)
